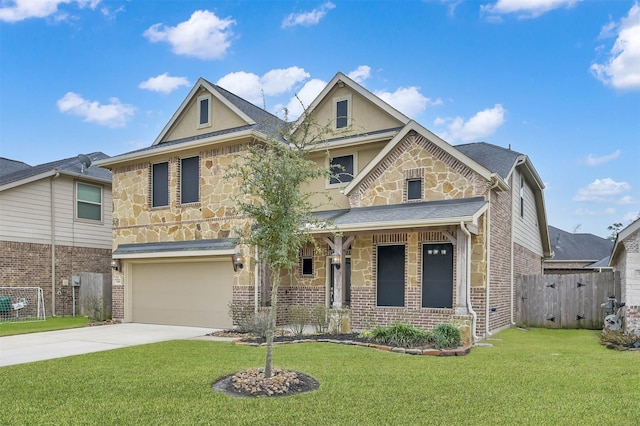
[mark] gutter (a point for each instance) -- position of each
(468, 273)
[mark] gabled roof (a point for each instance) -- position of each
(578, 247)
(68, 166)
(255, 118)
(8, 166)
(402, 216)
(340, 78)
(600, 264)
(623, 235)
(495, 158)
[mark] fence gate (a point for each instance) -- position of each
(565, 300)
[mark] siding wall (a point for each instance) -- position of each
(526, 230)
(25, 215)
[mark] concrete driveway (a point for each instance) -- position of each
(25, 348)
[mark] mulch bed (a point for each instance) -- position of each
(252, 383)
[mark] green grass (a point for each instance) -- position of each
(58, 323)
(539, 377)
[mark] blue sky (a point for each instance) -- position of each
(558, 80)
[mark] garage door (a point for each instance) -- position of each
(182, 293)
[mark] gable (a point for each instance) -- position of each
(443, 176)
(187, 123)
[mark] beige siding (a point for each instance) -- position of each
(526, 230)
(25, 215)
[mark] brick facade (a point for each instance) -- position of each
(29, 265)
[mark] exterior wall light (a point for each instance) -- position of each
(336, 260)
(238, 261)
(115, 264)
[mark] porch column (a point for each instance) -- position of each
(461, 274)
(338, 245)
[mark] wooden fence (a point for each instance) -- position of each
(565, 301)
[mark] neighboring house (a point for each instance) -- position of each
(429, 232)
(55, 222)
(577, 253)
(625, 258)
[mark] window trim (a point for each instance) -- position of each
(202, 98)
(302, 261)
(181, 180)
(336, 100)
(421, 197)
(101, 203)
(151, 187)
(354, 165)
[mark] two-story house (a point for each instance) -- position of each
(55, 222)
(429, 232)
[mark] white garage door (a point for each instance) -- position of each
(182, 293)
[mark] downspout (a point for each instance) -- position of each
(468, 273)
(53, 246)
(489, 251)
(520, 161)
(256, 282)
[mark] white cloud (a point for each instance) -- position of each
(407, 100)
(20, 10)
(592, 160)
(308, 19)
(251, 86)
(587, 212)
(360, 74)
(601, 190)
(481, 125)
(526, 8)
(204, 35)
(163, 83)
(306, 95)
(631, 216)
(113, 114)
(622, 69)
(627, 199)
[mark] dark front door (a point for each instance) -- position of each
(390, 286)
(437, 275)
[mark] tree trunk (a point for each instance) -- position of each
(271, 328)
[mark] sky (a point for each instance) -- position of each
(557, 80)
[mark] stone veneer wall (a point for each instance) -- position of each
(629, 267)
(29, 265)
(444, 177)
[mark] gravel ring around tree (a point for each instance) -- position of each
(226, 385)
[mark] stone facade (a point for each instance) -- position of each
(29, 265)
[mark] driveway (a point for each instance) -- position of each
(25, 348)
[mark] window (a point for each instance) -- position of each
(341, 169)
(189, 180)
(342, 113)
(521, 197)
(414, 189)
(160, 185)
(204, 111)
(89, 202)
(307, 266)
(390, 275)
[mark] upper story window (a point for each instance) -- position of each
(414, 189)
(160, 185)
(204, 111)
(342, 114)
(190, 180)
(88, 202)
(521, 196)
(342, 169)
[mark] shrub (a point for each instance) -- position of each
(619, 339)
(298, 318)
(403, 335)
(445, 336)
(320, 319)
(248, 321)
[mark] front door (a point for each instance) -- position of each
(437, 275)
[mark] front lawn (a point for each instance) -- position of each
(10, 328)
(536, 377)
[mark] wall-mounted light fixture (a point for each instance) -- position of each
(115, 264)
(238, 261)
(336, 260)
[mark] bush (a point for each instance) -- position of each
(298, 318)
(445, 336)
(248, 321)
(619, 339)
(320, 319)
(403, 335)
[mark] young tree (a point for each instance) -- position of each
(614, 229)
(271, 174)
